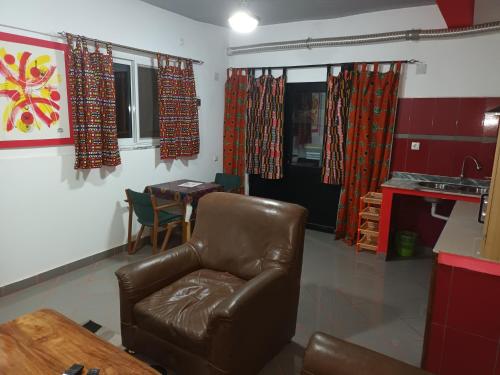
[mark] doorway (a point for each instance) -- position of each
(303, 154)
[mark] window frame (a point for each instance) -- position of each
(134, 61)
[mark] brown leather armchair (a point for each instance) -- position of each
(226, 301)
(327, 355)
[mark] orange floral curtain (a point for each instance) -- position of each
(92, 93)
(234, 122)
(370, 132)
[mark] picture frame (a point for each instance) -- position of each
(34, 92)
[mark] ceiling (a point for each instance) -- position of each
(278, 11)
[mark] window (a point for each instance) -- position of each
(123, 100)
(305, 119)
(148, 102)
(136, 100)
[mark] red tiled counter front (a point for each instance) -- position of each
(463, 327)
(386, 209)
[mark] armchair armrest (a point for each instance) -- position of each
(326, 355)
(254, 295)
(138, 280)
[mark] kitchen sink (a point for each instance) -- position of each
(454, 188)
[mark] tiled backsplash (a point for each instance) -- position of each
(448, 129)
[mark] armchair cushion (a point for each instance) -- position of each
(182, 311)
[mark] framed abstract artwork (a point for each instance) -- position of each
(34, 108)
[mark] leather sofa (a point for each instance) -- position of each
(327, 355)
(226, 301)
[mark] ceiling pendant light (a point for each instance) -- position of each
(243, 21)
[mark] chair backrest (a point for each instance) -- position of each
(142, 204)
(230, 182)
(245, 235)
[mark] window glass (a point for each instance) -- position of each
(308, 118)
(123, 101)
(148, 102)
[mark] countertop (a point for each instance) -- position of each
(462, 234)
(409, 181)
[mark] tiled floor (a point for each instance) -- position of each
(358, 297)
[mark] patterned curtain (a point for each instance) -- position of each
(265, 115)
(178, 109)
(92, 92)
(235, 121)
(370, 132)
(337, 112)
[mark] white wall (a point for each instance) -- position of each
(50, 214)
(455, 67)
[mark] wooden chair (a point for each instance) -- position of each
(150, 214)
(230, 182)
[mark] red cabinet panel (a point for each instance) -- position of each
(475, 303)
(441, 294)
(466, 354)
(435, 349)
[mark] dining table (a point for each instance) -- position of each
(188, 192)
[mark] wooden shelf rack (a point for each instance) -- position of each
(368, 224)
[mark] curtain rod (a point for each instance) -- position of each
(117, 45)
(412, 61)
(62, 35)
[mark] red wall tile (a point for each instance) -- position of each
(440, 158)
(416, 161)
(474, 303)
(399, 150)
(466, 354)
(446, 116)
(422, 114)
(487, 149)
(470, 116)
(491, 131)
(403, 117)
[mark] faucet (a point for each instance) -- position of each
(478, 165)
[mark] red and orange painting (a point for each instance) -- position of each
(33, 92)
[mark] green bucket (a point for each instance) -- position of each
(405, 243)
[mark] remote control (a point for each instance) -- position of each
(75, 369)
(93, 371)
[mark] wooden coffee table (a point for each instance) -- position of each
(46, 342)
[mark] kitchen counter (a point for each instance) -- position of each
(403, 183)
(460, 242)
(410, 181)
(462, 234)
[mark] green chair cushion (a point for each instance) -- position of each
(143, 208)
(164, 218)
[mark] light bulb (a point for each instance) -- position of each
(243, 22)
